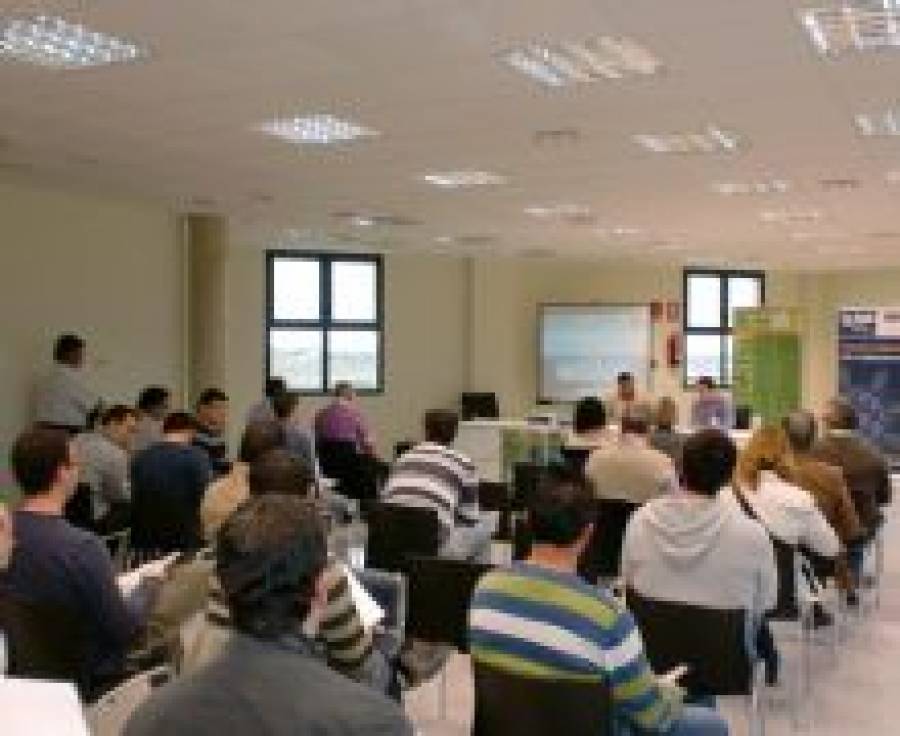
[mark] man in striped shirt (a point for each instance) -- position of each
(434, 476)
(539, 619)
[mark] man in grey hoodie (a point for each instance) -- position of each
(697, 546)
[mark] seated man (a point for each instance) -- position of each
(212, 421)
(58, 564)
(588, 425)
(297, 440)
(540, 618)
(104, 467)
(865, 470)
(629, 469)
(342, 421)
(711, 408)
(434, 476)
(268, 678)
(168, 480)
(153, 407)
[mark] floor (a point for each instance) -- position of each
(855, 692)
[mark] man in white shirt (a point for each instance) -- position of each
(62, 399)
(629, 469)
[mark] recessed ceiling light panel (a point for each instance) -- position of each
(567, 64)
(559, 211)
(711, 140)
(318, 129)
(57, 44)
(751, 187)
(373, 219)
(464, 179)
(864, 27)
(886, 123)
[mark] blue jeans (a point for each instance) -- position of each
(693, 721)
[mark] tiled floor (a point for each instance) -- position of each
(855, 694)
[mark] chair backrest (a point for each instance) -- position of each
(397, 533)
(108, 716)
(493, 496)
(603, 555)
(479, 405)
(576, 457)
(532, 706)
(389, 591)
(44, 642)
(712, 643)
(339, 460)
(526, 477)
(79, 510)
(440, 593)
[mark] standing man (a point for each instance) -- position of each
(264, 409)
(153, 406)
(625, 398)
(212, 421)
(62, 399)
(711, 408)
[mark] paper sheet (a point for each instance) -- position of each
(369, 611)
(129, 581)
(39, 708)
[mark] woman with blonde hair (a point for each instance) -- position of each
(763, 485)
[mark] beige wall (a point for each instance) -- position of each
(109, 270)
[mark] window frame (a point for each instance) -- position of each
(325, 323)
(725, 329)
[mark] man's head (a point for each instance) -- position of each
(637, 419)
(44, 464)
(119, 423)
(705, 385)
(280, 472)
(180, 427)
(590, 415)
(441, 426)
(284, 405)
(274, 386)
(800, 428)
(258, 439)
(270, 555)
(841, 415)
(212, 409)
(69, 350)
(708, 461)
(154, 402)
(625, 385)
(344, 390)
(561, 512)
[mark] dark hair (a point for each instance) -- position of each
(116, 414)
(285, 403)
(707, 461)
(800, 428)
(842, 415)
(36, 457)
(561, 508)
(343, 388)
(274, 386)
(269, 555)
(624, 377)
(179, 421)
(441, 426)
(211, 396)
(589, 414)
(282, 472)
(152, 397)
(706, 381)
(67, 346)
(258, 438)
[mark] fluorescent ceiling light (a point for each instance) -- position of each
(559, 210)
(790, 216)
(885, 123)
(567, 64)
(319, 129)
(373, 219)
(834, 31)
(463, 179)
(712, 140)
(57, 44)
(618, 232)
(751, 187)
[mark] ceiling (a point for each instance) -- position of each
(179, 127)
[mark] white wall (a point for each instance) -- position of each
(109, 270)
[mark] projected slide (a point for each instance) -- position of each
(584, 347)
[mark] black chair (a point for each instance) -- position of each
(494, 496)
(576, 457)
(45, 642)
(440, 592)
(356, 475)
(79, 510)
(532, 706)
(397, 533)
(479, 405)
(402, 447)
(603, 556)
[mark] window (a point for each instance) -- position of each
(710, 298)
(324, 320)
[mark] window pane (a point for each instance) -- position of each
(295, 288)
(704, 301)
(353, 357)
(296, 356)
(703, 357)
(353, 291)
(743, 291)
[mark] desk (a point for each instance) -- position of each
(495, 445)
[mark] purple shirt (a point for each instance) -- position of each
(342, 421)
